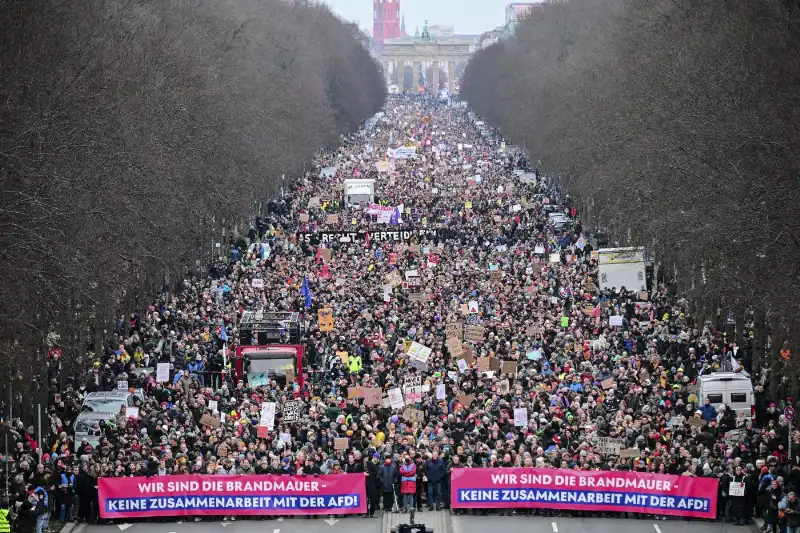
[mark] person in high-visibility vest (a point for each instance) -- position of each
(5, 521)
(354, 363)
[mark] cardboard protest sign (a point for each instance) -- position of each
(304, 217)
(474, 333)
(341, 443)
(327, 254)
(455, 348)
(372, 396)
(494, 364)
(208, 420)
(333, 219)
(454, 329)
(414, 415)
(697, 422)
(508, 367)
(607, 383)
(609, 446)
(314, 201)
(354, 392)
(469, 354)
(418, 297)
(465, 399)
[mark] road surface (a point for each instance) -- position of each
(459, 524)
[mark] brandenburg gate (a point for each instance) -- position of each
(426, 54)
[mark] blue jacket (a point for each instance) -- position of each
(435, 470)
(708, 411)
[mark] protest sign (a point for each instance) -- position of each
(615, 321)
(609, 446)
(441, 393)
(212, 405)
(268, 415)
(332, 219)
(132, 412)
(414, 415)
(520, 417)
(122, 385)
(474, 333)
(580, 490)
(462, 365)
(465, 399)
(162, 372)
(211, 495)
(508, 367)
(304, 217)
(354, 392)
(396, 398)
(372, 396)
(341, 443)
(208, 420)
(420, 353)
(325, 319)
(292, 410)
(607, 383)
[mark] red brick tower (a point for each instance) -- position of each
(385, 21)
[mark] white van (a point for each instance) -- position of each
(735, 390)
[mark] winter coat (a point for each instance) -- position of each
(387, 475)
(408, 478)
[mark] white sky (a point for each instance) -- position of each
(466, 16)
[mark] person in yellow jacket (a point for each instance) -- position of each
(354, 363)
(5, 521)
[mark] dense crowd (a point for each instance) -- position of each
(488, 258)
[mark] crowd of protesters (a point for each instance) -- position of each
(543, 312)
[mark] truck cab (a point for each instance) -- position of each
(269, 344)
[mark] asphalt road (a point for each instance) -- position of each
(288, 525)
(459, 524)
(538, 524)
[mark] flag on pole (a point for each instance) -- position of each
(223, 333)
(306, 292)
(367, 239)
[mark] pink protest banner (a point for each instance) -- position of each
(580, 490)
(139, 497)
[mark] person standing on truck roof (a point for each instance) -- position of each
(708, 411)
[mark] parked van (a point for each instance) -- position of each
(733, 389)
(108, 402)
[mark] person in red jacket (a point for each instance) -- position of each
(408, 482)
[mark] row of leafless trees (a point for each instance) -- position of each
(676, 122)
(132, 133)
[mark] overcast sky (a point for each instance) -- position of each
(466, 16)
